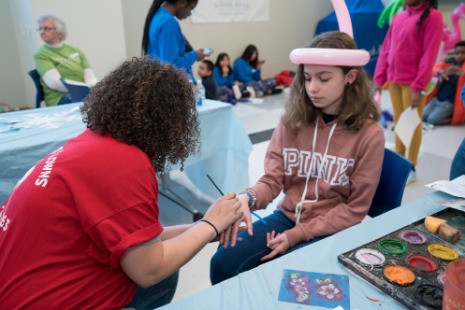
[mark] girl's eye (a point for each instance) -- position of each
(324, 80)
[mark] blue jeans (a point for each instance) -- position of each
(155, 296)
(246, 255)
(458, 163)
(65, 99)
(263, 86)
(438, 112)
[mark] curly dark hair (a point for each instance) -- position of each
(148, 104)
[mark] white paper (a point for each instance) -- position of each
(406, 125)
(72, 82)
(456, 187)
(256, 100)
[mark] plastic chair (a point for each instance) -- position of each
(394, 175)
(40, 92)
(78, 91)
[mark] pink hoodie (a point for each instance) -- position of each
(408, 54)
(346, 186)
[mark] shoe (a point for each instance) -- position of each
(251, 91)
(276, 91)
(412, 177)
(245, 94)
(237, 92)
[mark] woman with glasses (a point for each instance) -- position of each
(56, 59)
(163, 38)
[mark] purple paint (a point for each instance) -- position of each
(413, 237)
(370, 257)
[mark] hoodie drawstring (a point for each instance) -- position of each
(298, 209)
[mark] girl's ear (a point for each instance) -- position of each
(351, 76)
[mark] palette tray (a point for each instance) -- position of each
(409, 264)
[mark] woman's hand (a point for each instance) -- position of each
(224, 212)
(200, 54)
(416, 99)
(230, 234)
(278, 243)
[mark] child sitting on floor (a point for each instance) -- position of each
(206, 73)
(445, 104)
(227, 86)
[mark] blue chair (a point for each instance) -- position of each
(394, 175)
(39, 91)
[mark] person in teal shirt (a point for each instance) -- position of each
(163, 38)
(56, 59)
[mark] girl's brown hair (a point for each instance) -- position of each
(357, 102)
(147, 104)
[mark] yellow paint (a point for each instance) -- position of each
(443, 252)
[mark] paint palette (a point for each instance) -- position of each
(409, 264)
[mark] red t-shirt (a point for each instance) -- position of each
(69, 221)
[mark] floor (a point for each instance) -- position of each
(438, 148)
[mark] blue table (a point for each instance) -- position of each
(27, 136)
(259, 288)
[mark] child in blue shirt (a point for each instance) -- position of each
(247, 70)
(227, 86)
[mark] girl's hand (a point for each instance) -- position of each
(416, 99)
(278, 243)
(230, 234)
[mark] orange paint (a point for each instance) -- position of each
(399, 275)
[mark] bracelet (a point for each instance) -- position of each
(209, 223)
(252, 196)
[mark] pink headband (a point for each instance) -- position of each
(333, 56)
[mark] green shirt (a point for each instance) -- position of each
(68, 60)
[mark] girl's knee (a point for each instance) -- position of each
(221, 265)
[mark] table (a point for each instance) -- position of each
(27, 136)
(259, 288)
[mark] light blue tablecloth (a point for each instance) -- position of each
(27, 136)
(259, 288)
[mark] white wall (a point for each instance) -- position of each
(110, 31)
(12, 72)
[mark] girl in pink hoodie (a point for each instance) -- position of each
(326, 155)
(406, 61)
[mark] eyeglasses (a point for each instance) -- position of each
(45, 28)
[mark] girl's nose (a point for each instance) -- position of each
(313, 87)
